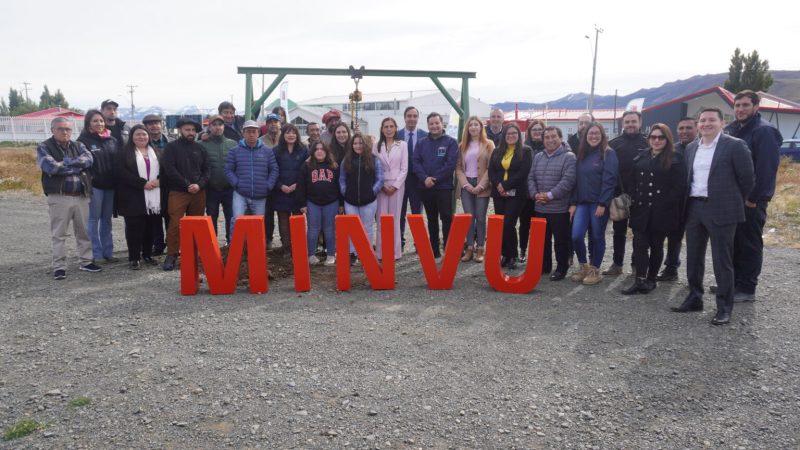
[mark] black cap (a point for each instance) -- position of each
(183, 120)
(109, 102)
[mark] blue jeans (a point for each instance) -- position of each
(367, 214)
(322, 218)
(242, 204)
(584, 215)
(101, 208)
(214, 199)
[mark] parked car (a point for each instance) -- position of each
(791, 148)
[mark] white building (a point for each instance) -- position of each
(374, 107)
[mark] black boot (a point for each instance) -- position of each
(649, 285)
(668, 274)
(637, 287)
(512, 263)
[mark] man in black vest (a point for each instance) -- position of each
(66, 183)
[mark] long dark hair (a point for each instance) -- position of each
(283, 146)
(366, 155)
(312, 160)
(584, 146)
(129, 149)
(519, 147)
(87, 120)
(338, 149)
(669, 149)
(382, 139)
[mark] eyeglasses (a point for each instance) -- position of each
(512, 133)
(657, 137)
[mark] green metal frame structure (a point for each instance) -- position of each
(281, 72)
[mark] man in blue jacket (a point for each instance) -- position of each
(764, 141)
(252, 170)
(434, 162)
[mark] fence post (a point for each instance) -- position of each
(13, 132)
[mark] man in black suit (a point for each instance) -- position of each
(720, 177)
(411, 134)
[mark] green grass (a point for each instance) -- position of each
(22, 429)
(79, 402)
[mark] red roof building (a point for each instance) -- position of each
(52, 113)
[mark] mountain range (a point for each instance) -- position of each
(786, 85)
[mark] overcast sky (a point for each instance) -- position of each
(186, 52)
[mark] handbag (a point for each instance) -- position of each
(620, 208)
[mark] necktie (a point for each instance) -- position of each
(411, 143)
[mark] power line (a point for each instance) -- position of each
(131, 89)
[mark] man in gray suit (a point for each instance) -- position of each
(720, 177)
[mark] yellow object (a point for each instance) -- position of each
(506, 162)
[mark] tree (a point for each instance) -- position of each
(4, 111)
(59, 100)
(748, 72)
(45, 100)
(14, 99)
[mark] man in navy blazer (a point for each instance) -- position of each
(412, 135)
(720, 172)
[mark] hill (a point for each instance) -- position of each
(786, 85)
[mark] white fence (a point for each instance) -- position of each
(17, 129)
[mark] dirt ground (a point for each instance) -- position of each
(568, 366)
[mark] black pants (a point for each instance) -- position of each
(748, 248)
(410, 195)
(644, 241)
(700, 227)
(159, 244)
(269, 221)
(139, 235)
(620, 236)
(510, 208)
(558, 229)
(674, 241)
(525, 224)
(438, 203)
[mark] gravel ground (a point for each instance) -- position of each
(566, 367)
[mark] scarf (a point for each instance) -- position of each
(152, 197)
(105, 134)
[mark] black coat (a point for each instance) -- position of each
(517, 171)
(104, 151)
(129, 192)
(658, 193)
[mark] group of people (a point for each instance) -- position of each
(713, 186)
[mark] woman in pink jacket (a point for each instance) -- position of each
(393, 154)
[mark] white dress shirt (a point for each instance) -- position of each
(702, 167)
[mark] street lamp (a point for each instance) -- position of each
(597, 31)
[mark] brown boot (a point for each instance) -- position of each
(593, 277)
(580, 274)
(478, 254)
(467, 255)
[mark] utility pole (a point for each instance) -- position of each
(597, 31)
(131, 89)
(26, 84)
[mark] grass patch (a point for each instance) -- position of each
(80, 402)
(18, 170)
(783, 215)
(22, 429)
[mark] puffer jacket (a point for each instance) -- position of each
(554, 174)
(288, 174)
(217, 148)
(252, 171)
(104, 151)
(764, 141)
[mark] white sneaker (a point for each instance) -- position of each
(330, 261)
(313, 259)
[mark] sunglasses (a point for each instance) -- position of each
(657, 137)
